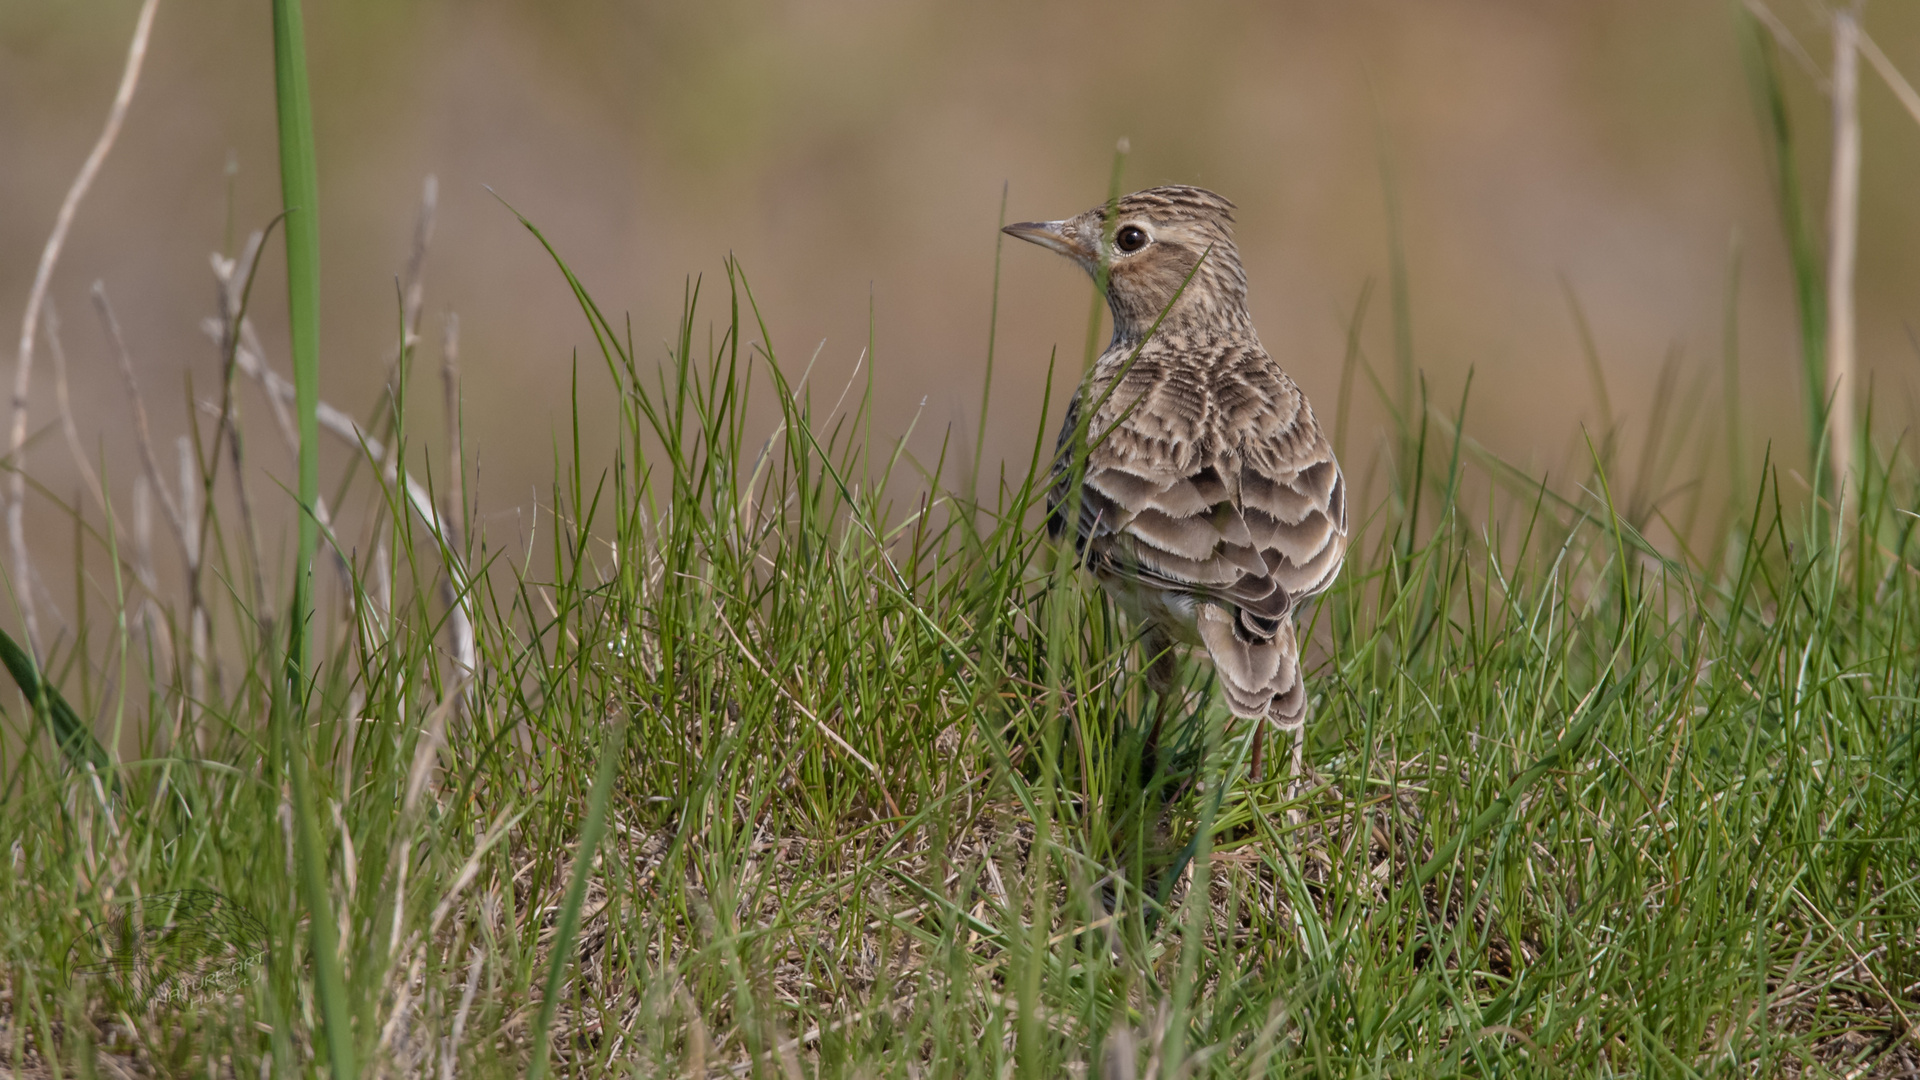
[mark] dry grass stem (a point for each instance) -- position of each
(36, 296)
(198, 629)
(1790, 43)
(344, 427)
(142, 430)
(1902, 89)
(63, 401)
(1843, 218)
(460, 629)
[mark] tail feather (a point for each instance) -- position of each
(1261, 675)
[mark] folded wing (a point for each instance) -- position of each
(1211, 480)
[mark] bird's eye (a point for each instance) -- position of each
(1130, 238)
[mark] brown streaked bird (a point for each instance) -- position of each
(1211, 507)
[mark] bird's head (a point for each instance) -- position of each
(1150, 242)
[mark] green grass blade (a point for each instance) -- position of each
(72, 736)
(569, 925)
(1803, 251)
(300, 194)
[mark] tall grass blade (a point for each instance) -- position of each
(1843, 224)
(73, 737)
(1730, 376)
(300, 194)
(1803, 255)
(560, 959)
(993, 332)
(1399, 292)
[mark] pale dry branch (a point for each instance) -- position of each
(153, 625)
(1843, 218)
(350, 431)
(63, 400)
(1759, 10)
(198, 629)
(413, 291)
(450, 1051)
(143, 532)
(465, 652)
(142, 431)
(1902, 89)
(43, 276)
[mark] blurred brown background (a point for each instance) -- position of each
(852, 154)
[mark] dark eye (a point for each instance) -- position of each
(1130, 238)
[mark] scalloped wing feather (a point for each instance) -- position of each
(1208, 476)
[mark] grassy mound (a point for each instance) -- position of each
(781, 757)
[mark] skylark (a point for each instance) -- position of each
(1211, 507)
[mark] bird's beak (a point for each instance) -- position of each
(1049, 234)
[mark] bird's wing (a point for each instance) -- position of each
(1292, 494)
(1207, 478)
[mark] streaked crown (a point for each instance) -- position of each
(1167, 249)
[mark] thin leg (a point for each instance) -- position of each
(1296, 769)
(1163, 670)
(1259, 733)
(1163, 660)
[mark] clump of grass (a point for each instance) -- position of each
(881, 804)
(775, 755)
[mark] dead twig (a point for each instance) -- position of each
(1902, 89)
(142, 431)
(453, 513)
(349, 430)
(36, 296)
(1843, 219)
(198, 628)
(1787, 41)
(233, 308)
(64, 402)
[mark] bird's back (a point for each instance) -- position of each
(1210, 503)
(1209, 482)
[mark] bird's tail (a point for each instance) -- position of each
(1261, 675)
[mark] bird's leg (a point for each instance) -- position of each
(1259, 733)
(1296, 769)
(1163, 670)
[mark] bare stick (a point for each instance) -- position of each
(143, 433)
(49, 257)
(1843, 213)
(232, 305)
(465, 654)
(143, 532)
(450, 1049)
(179, 513)
(459, 624)
(153, 629)
(456, 501)
(281, 415)
(348, 430)
(262, 608)
(413, 291)
(64, 401)
(412, 285)
(197, 630)
(248, 358)
(380, 597)
(1784, 36)
(1896, 82)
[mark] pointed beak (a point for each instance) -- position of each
(1049, 234)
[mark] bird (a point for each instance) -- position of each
(1200, 491)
